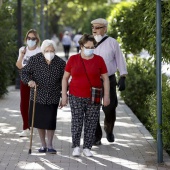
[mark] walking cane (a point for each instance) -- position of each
(33, 113)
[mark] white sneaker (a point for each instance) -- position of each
(76, 151)
(87, 152)
(25, 133)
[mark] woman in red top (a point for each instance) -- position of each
(86, 69)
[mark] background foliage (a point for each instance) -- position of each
(7, 47)
(125, 20)
(140, 83)
(152, 117)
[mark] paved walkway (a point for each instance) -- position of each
(133, 149)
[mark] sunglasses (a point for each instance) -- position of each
(97, 28)
(31, 38)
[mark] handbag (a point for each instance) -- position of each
(96, 93)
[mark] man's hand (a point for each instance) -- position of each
(106, 100)
(121, 83)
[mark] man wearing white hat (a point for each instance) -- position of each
(108, 48)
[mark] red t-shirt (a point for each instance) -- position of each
(79, 84)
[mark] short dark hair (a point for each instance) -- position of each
(85, 38)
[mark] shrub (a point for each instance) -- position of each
(140, 83)
(7, 48)
(124, 24)
(152, 117)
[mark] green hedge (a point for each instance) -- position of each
(140, 83)
(140, 96)
(152, 117)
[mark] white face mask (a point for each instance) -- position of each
(88, 52)
(31, 43)
(49, 56)
(98, 38)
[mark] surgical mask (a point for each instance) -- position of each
(49, 56)
(98, 38)
(88, 52)
(31, 43)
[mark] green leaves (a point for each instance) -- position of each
(7, 48)
(152, 113)
(140, 83)
(134, 25)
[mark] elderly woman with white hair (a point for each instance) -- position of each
(45, 70)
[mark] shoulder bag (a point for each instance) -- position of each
(96, 93)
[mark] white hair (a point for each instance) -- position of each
(47, 43)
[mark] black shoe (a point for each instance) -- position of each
(51, 151)
(42, 150)
(96, 143)
(110, 137)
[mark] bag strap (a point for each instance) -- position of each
(101, 41)
(85, 71)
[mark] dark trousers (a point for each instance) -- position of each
(66, 50)
(24, 103)
(109, 111)
(78, 48)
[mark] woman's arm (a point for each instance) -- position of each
(21, 56)
(106, 85)
(65, 79)
(27, 71)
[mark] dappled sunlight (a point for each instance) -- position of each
(65, 138)
(20, 140)
(50, 164)
(122, 118)
(6, 129)
(150, 152)
(38, 154)
(26, 165)
(117, 123)
(96, 161)
(67, 117)
(124, 145)
(11, 111)
(119, 161)
(13, 115)
(127, 136)
(3, 124)
(7, 143)
(78, 159)
(11, 141)
(134, 144)
(65, 108)
(65, 120)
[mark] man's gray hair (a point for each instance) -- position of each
(47, 43)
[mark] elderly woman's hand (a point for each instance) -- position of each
(64, 100)
(31, 83)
